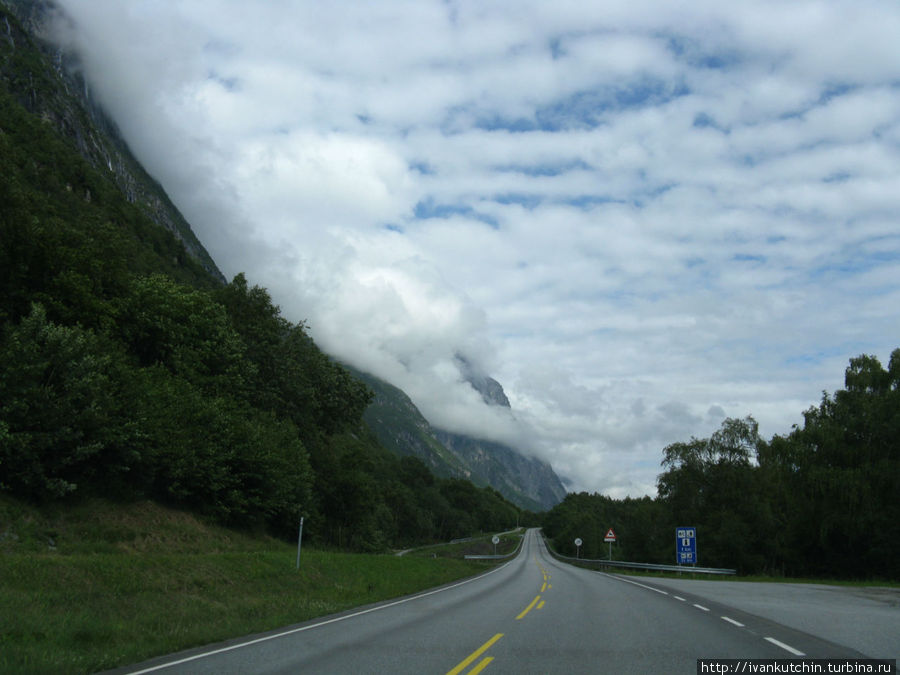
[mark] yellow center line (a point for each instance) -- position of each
(474, 655)
(481, 666)
(529, 608)
(541, 605)
(544, 587)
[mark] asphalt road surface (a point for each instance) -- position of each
(537, 615)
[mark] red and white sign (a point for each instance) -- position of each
(610, 536)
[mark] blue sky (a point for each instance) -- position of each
(639, 218)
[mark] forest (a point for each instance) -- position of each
(821, 501)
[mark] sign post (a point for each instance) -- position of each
(686, 545)
(578, 543)
(610, 537)
(495, 540)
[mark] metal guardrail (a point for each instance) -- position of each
(640, 566)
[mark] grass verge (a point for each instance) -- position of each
(153, 581)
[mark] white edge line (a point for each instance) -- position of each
(705, 609)
(634, 583)
(732, 621)
(315, 625)
(795, 652)
(678, 597)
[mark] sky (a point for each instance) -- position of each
(640, 218)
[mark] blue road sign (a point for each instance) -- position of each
(686, 545)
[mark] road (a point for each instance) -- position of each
(531, 615)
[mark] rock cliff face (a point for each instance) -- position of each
(62, 98)
(525, 481)
(509, 471)
(491, 391)
(401, 428)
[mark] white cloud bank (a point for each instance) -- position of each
(639, 218)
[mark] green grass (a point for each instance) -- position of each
(125, 584)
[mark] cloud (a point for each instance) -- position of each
(639, 218)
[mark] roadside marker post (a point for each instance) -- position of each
(299, 541)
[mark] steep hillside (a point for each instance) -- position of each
(401, 428)
(129, 369)
(525, 481)
(519, 477)
(61, 98)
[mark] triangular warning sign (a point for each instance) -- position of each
(610, 536)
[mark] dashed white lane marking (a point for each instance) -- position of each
(788, 648)
(795, 652)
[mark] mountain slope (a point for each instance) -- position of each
(84, 229)
(526, 481)
(400, 427)
(515, 475)
(61, 98)
(129, 370)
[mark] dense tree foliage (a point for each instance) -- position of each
(237, 415)
(64, 405)
(636, 522)
(836, 480)
(127, 370)
(821, 501)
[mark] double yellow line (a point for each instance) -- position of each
(474, 655)
(537, 599)
(487, 645)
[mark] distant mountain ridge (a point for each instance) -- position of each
(491, 391)
(526, 481)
